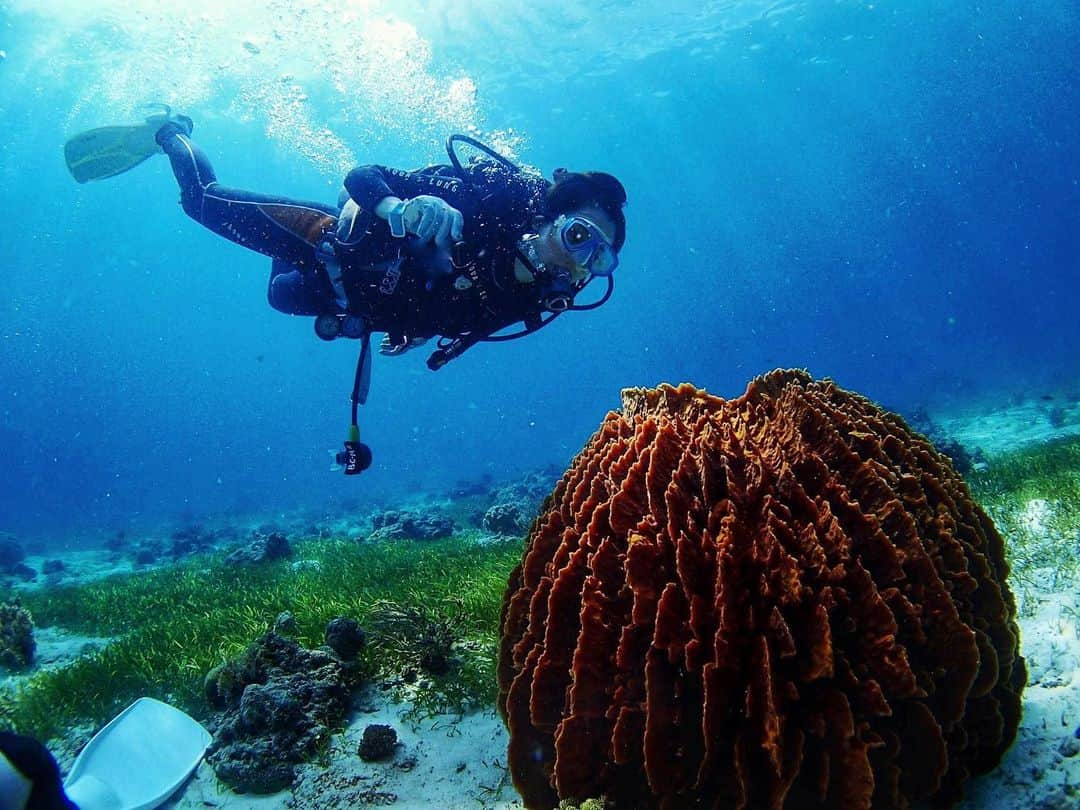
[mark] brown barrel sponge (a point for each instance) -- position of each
(788, 599)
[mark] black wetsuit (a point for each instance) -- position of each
(396, 287)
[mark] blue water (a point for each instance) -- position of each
(883, 193)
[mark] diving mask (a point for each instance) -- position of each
(586, 244)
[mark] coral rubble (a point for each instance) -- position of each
(281, 702)
(17, 644)
(12, 553)
(345, 637)
(398, 525)
(787, 599)
(262, 548)
(509, 518)
(378, 742)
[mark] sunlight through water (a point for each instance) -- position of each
(276, 60)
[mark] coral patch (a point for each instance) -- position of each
(788, 599)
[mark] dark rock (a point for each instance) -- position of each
(959, 455)
(378, 743)
(508, 518)
(472, 489)
(23, 572)
(518, 502)
(318, 531)
(281, 702)
(193, 531)
(11, 553)
(395, 525)
(1069, 747)
(919, 419)
(345, 637)
(184, 548)
(262, 549)
(532, 487)
(277, 546)
(390, 517)
(53, 567)
(145, 555)
(436, 660)
(251, 768)
(964, 462)
(17, 644)
(191, 539)
(118, 542)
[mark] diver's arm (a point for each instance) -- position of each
(371, 185)
(411, 202)
(368, 185)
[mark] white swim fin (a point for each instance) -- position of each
(138, 760)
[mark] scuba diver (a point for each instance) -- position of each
(457, 251)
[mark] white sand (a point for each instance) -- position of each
(998, 430)
(81, 566)
(444, 762)
(1039, 772)
(1035, 775)
(55, 648)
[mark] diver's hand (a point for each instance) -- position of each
(388, 347)
(433, 219)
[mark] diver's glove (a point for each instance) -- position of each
(429, 219)
(391, 347)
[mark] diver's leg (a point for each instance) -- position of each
(289, 230)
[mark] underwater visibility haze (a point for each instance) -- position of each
(882, 193)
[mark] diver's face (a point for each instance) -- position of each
(550, 248)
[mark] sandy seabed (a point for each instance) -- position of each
(443, 761)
